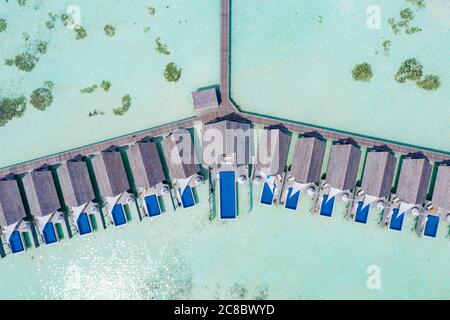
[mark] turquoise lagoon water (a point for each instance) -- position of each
(128, 60)
(284, 59)
(267, 253)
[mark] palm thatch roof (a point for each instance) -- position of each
(308, 159)
(110, 173)
(343, 165)
(441, 193)
(145, 164)
(75, 183)
(414, 178)
(11, 205)
(180, 155)
(379, 173)
(227, 139)
(273, 150)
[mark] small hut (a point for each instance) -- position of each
(205, 101)
(78, 194)
(377, 181)
(306, 168)
(12, 213)
(43, 202)
(341, 174)
(183, 166)
(113, 185)
(148, 174)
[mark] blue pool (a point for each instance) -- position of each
(118, 215)
(227, 195)
(292, 199)
(431, 226)
(49, 233)
(152, 205)
(15, 242)
(396, 220)
(326, 209)
(187, 197)
(267, 195)
(83, 224)
(362, 213)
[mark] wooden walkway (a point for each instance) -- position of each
(226, 107)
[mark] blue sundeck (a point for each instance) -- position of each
(118, 215)
(267, 195)
(49, 233)
(292, 199)
(83, 224)
(15, 242)
(326, 209)
(227, 195)
(396, 220)
(431, 226)
(187, 197)
(362, 213)
(152, 205)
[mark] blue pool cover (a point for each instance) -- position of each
(118, 215)
(396, 220)
(187, 198)
(152, 205)
(15, 242)
(292, 199)
(227, 195)
(84, 227)
(362, 212)
(49, 233)
(431, 226)
(326, 209)
(267, 195)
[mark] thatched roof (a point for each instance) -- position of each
(379, 173)
(145, 164)
(273, 150)
(110, 173)
(227, 136)
(441, 193)
(205, 100)
(41, 192)
(75, 183)
(180, 154)
(308, 159)
(413, 181)
(11, 205)
(343, 166)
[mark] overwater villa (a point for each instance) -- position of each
(226, 144)
(12, 214)
(439, 207)
(148, 174)
(205, 101)
(411, 190)
(44, 204)
(379, 172)
(270, 168)
(113, 185)
(183, 166)
(79, 195)
(341, 176)
(304, 174)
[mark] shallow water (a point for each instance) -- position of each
(128, 60)
(284, 59)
